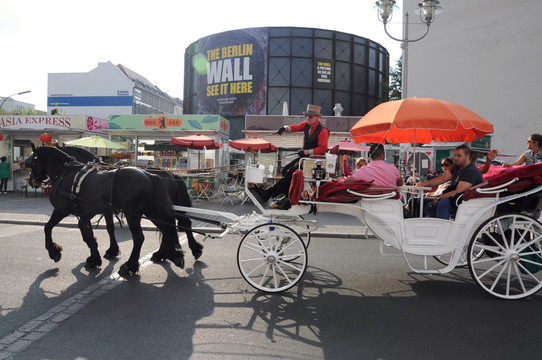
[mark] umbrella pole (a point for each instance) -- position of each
(414, 159)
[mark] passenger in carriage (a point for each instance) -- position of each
(463, 176)
(314, 143)
(359, 163)
(377, 172)
(532, 155)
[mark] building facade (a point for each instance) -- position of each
(12, 105)
(107, 90)
(254, 71)
(484, 55)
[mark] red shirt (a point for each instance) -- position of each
(322, 137)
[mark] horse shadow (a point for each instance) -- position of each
(138, 319)
(434, 320)
(37, 300)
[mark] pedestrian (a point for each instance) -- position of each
(4, 175)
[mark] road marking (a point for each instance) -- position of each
(40, 326)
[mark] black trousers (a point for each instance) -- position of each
(283, 185)
(4, 185)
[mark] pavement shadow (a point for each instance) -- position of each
(146, 320)
(442, 320)
(37, 295)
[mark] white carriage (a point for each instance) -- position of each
(502, 250)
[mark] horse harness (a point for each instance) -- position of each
(78, 182)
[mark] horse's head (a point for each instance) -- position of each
(38, 173)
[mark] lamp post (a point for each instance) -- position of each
(426, 9)
(19, 93)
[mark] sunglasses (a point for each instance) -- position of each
(310, 116)
(445, 165)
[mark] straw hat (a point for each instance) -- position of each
(312, 110)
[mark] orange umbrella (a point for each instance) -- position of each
(253, 145)
(419, 121)
(193, 140)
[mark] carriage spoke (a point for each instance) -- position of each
(526, 245)
(529, 273)
(291, 256)
(508, 276)
(494, 240)
(489, 248)
(256, 268)
(488, 259)
(492, 268)
(284, 274)
(249, 246)
(498, 277)
(290, 265)
(287, 246)
(520, 280)
(274, 276)
(265, 274)
(530, 261)
(501, 229)
(253, 259)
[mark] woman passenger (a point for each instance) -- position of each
(532, 155)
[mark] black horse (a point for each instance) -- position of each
(178, 194)
(134, 191)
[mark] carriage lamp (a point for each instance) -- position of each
(318, 173)
(426, 9)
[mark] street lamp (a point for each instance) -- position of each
(426, 9)
(19, 93)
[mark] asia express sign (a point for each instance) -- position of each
(37, 122)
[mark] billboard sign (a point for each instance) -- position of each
(323, 73)
(231, 72)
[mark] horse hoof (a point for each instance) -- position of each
(93, 263)
(111, 254)
(127, 270)
(197, 254)
(157, 257)
(179, 262)
(56, 257)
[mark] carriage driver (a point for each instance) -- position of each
(314, 143)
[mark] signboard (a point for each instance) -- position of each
(170, 122)
(231, 72)
(323, 73)
(42, 122)
(483, 143)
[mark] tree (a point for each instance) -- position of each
(396, 74)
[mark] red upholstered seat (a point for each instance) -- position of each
(336, 191)
(527, 175)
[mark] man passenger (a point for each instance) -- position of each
(377, 172)
(463, 176)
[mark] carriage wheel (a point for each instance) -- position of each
(511, 261)
(461, 263)
(272, 257)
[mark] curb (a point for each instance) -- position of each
(210, 230)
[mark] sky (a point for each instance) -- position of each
(38, 37)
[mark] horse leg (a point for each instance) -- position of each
(94, 260)
(55, 250)
(131, 267)
(185, 224)
(113, 250)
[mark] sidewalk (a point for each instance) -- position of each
(17, 209)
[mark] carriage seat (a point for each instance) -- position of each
(515, 179)
(338, 191)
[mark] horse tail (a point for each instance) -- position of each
(161, 211)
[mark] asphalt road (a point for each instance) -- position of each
(353, 303)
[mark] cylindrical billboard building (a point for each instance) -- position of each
(254, 71)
